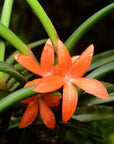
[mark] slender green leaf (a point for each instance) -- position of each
(89, 23)
(93, 109)
(92, 117)
(102, 71)
(6, 12)
(8, 35)
(36, 43)
(92, 100)
(9, 69)
(16, 97)
(102, 59)
(5, 19)
(32, 45)
(93, 113)
(44, 19)
(17, 84)
(12, 83)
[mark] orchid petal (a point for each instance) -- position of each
(75, 59)
(52, 99)
(47, 115)
(29, 114)
(83, 62)
(47, 57)
(64, 58)
(29, 63)
(69, 103)
(92, 86)
(33, 82)
(49, 84)
(28, 100)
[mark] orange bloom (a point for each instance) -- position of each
(71, 71)
(46, 68)
(40, 103)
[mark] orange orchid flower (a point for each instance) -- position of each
(46, 68)
(40, 103)
(71, 71)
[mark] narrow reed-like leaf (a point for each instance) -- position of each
(93, 113)
(8, 35)
(101, 59)
(9, 69)
(89, 23)
(44, 19)
(16, 97)
(102, 71)
(5, 19)
(87, 100)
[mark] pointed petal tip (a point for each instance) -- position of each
(49, 42)
(69, 103)
(30, 114)
(21, 126)
(47, 115)
(52, 126)
(16, 56)
(65, 119)
(91, 48)
(106, 96)
(92, 86)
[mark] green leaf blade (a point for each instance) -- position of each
(102, 71)
(9, 69)
(91, 100)
(89, 23)
(93, 113)
(101, 59)
(16, 97)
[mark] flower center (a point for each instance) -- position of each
(68, 77)
(48, 73)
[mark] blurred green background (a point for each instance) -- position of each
(66, 15)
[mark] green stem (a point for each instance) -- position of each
(8, 35)
(84, 27)
(15, 97)
(6, 12)
(102, 71)
(46, 22)
(5, 19)
(32, 45)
